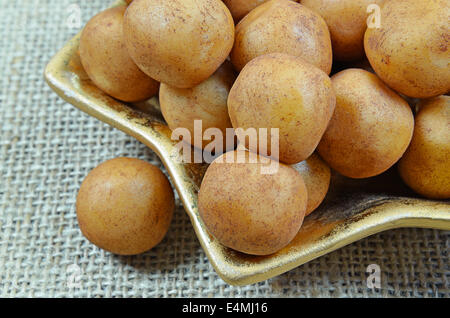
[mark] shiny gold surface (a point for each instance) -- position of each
(353, 209)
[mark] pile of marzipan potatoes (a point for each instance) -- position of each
(255, 64)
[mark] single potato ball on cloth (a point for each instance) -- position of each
(125, 206)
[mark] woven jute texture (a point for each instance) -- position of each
(47, 148)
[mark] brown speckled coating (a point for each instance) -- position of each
(125, 206)
(410, 51)
(285, 92)
(206, 102)
(283, 26)
(179, 42)
(425, 166)
(371, 126)
(347, 22)
(252, 212)
(107, 62)
(317, 177)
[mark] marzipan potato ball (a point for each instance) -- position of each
(107, 62)
(347, 22)
(179, 42)
(409, 52)
(285, 92)
(283, 26)
(371, 127)
(425, 167)
(249, 211)
(206, 102)
(240, 8)
(317, 177)
(125, 206)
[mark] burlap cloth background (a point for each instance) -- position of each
(48, 147)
